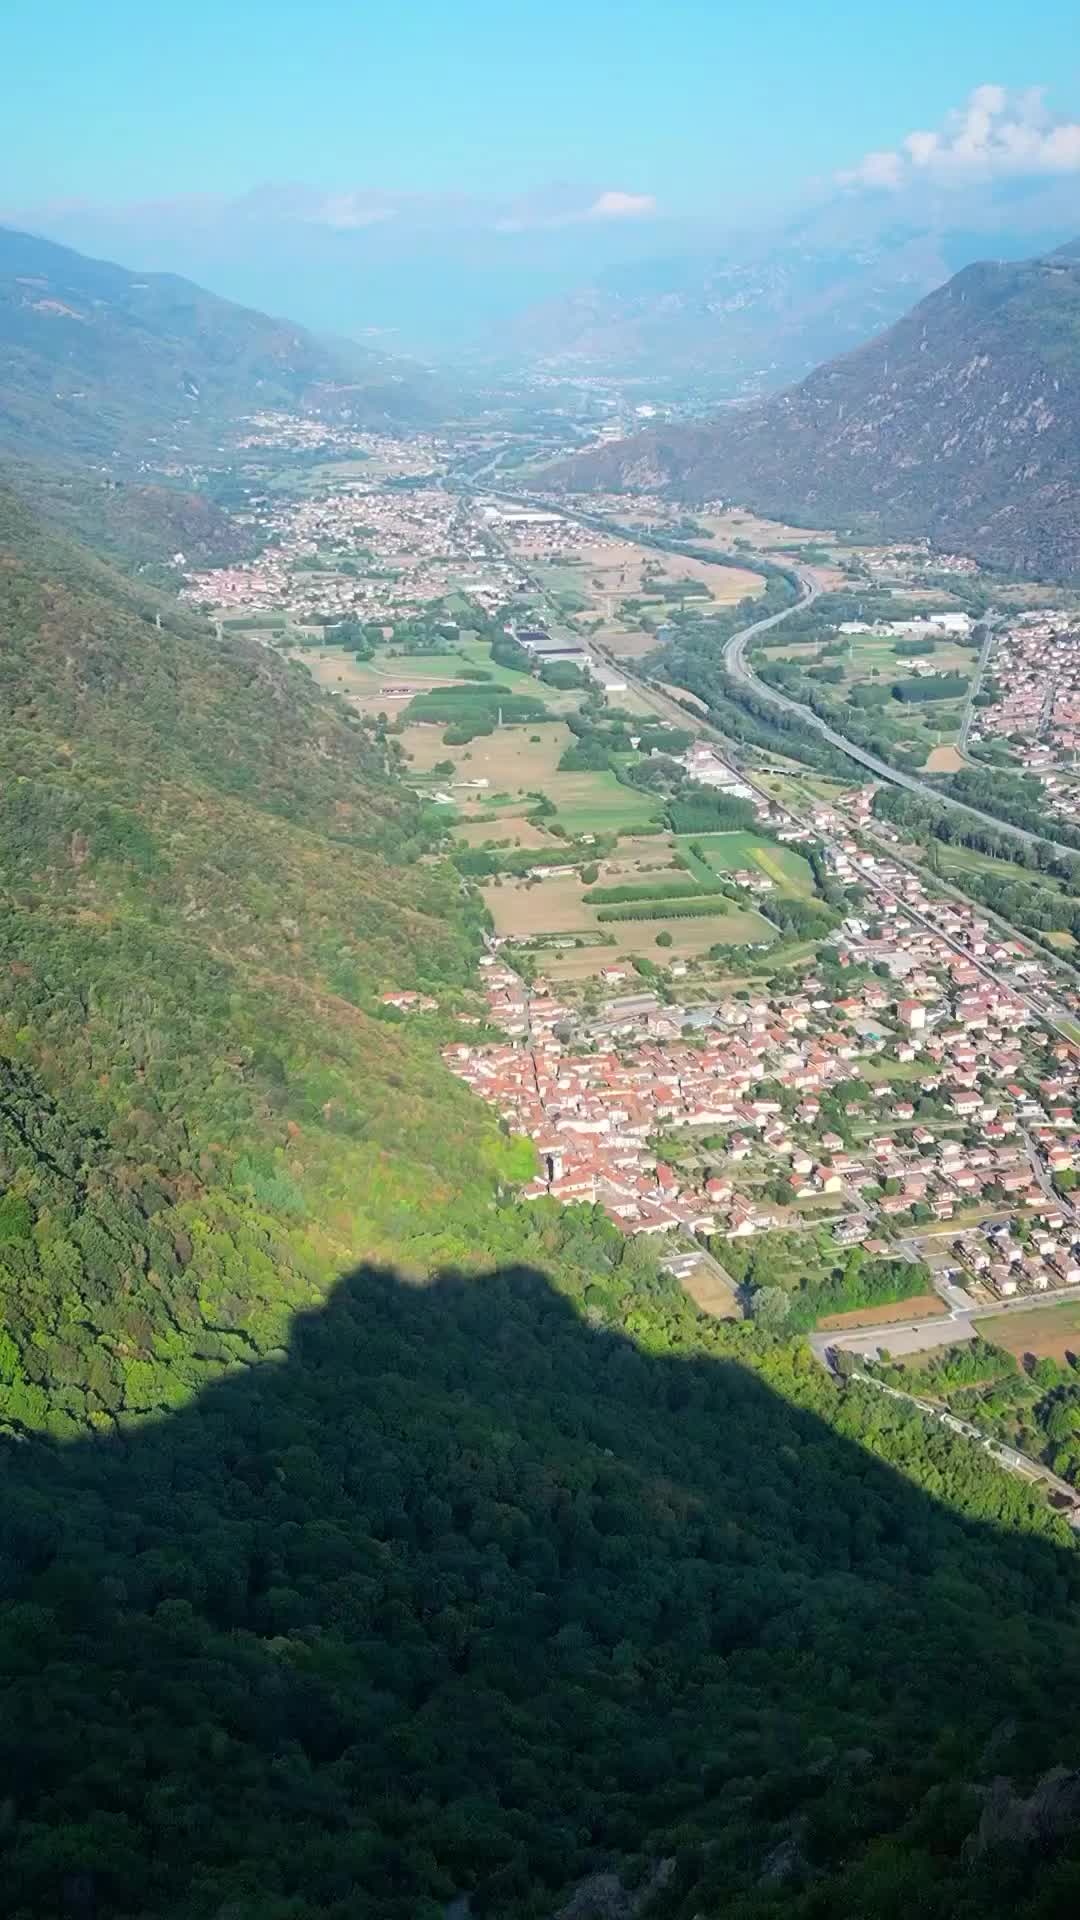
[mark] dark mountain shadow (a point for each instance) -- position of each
(462, 1595)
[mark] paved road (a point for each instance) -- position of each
(735, 662)
(1050, 1015)
(973, 687)
(1006, 1456)
(1042, 1175)
(958, 1324)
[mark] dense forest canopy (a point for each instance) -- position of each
(368, 1539)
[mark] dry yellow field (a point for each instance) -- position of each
(628, 646)
(1050, 1332)
(339, 670)
(736, 524)
(541, 906)
(511, 759)
(680, 693)
(644, 855)
(689, 939)
(945, 760)
(513, 827)
(924, 1306)
(712, 1294)
(616, 570)
(557, 906)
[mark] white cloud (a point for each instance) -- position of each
(565, 207)
(348, 211)
(997, 132)
(615, 205)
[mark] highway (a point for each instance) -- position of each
(959, 1319)
(735, 662)
(1048, 1012)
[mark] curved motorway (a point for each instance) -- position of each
(735, 662)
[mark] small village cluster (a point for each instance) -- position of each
(1035, 662)
(364, 552)
(541, 533)
(316, 433)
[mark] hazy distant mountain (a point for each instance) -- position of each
(96, 359)
(736, 325)
(765, 308)
(591, 279)
(961, 422)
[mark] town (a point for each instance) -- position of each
(915, 1086)
(1032, 675)
(914, 1078)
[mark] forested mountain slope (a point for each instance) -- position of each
(961, 422)
(463, 1597)
(199, 913)
(96, 359)
(490, 1564)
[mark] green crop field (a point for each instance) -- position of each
(729, 852)
(597, 802)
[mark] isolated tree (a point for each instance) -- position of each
(770, 1307)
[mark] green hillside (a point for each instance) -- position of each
(369, 1540)
(96, 359)
(199, 917)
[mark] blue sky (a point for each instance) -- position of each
(707, 106)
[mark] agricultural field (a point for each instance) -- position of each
(889, 1072)
(515, 761)
(957, 862)
(731, 852)
(682, 696)
(868, 667)
(558, 907)
(794, 787)
(1047, 1332)
(599, 803)
(867, 652)
(924, 1306)
(541, 906)
(690, 939)
(519, 762)
(365, 682)
(737, 523)
(605, 574)
(516, 829)
(642, 857)
(945, 760)
(711, 1293)
(969, 860)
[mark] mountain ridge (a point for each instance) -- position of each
(959, 423)
(97, 360)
